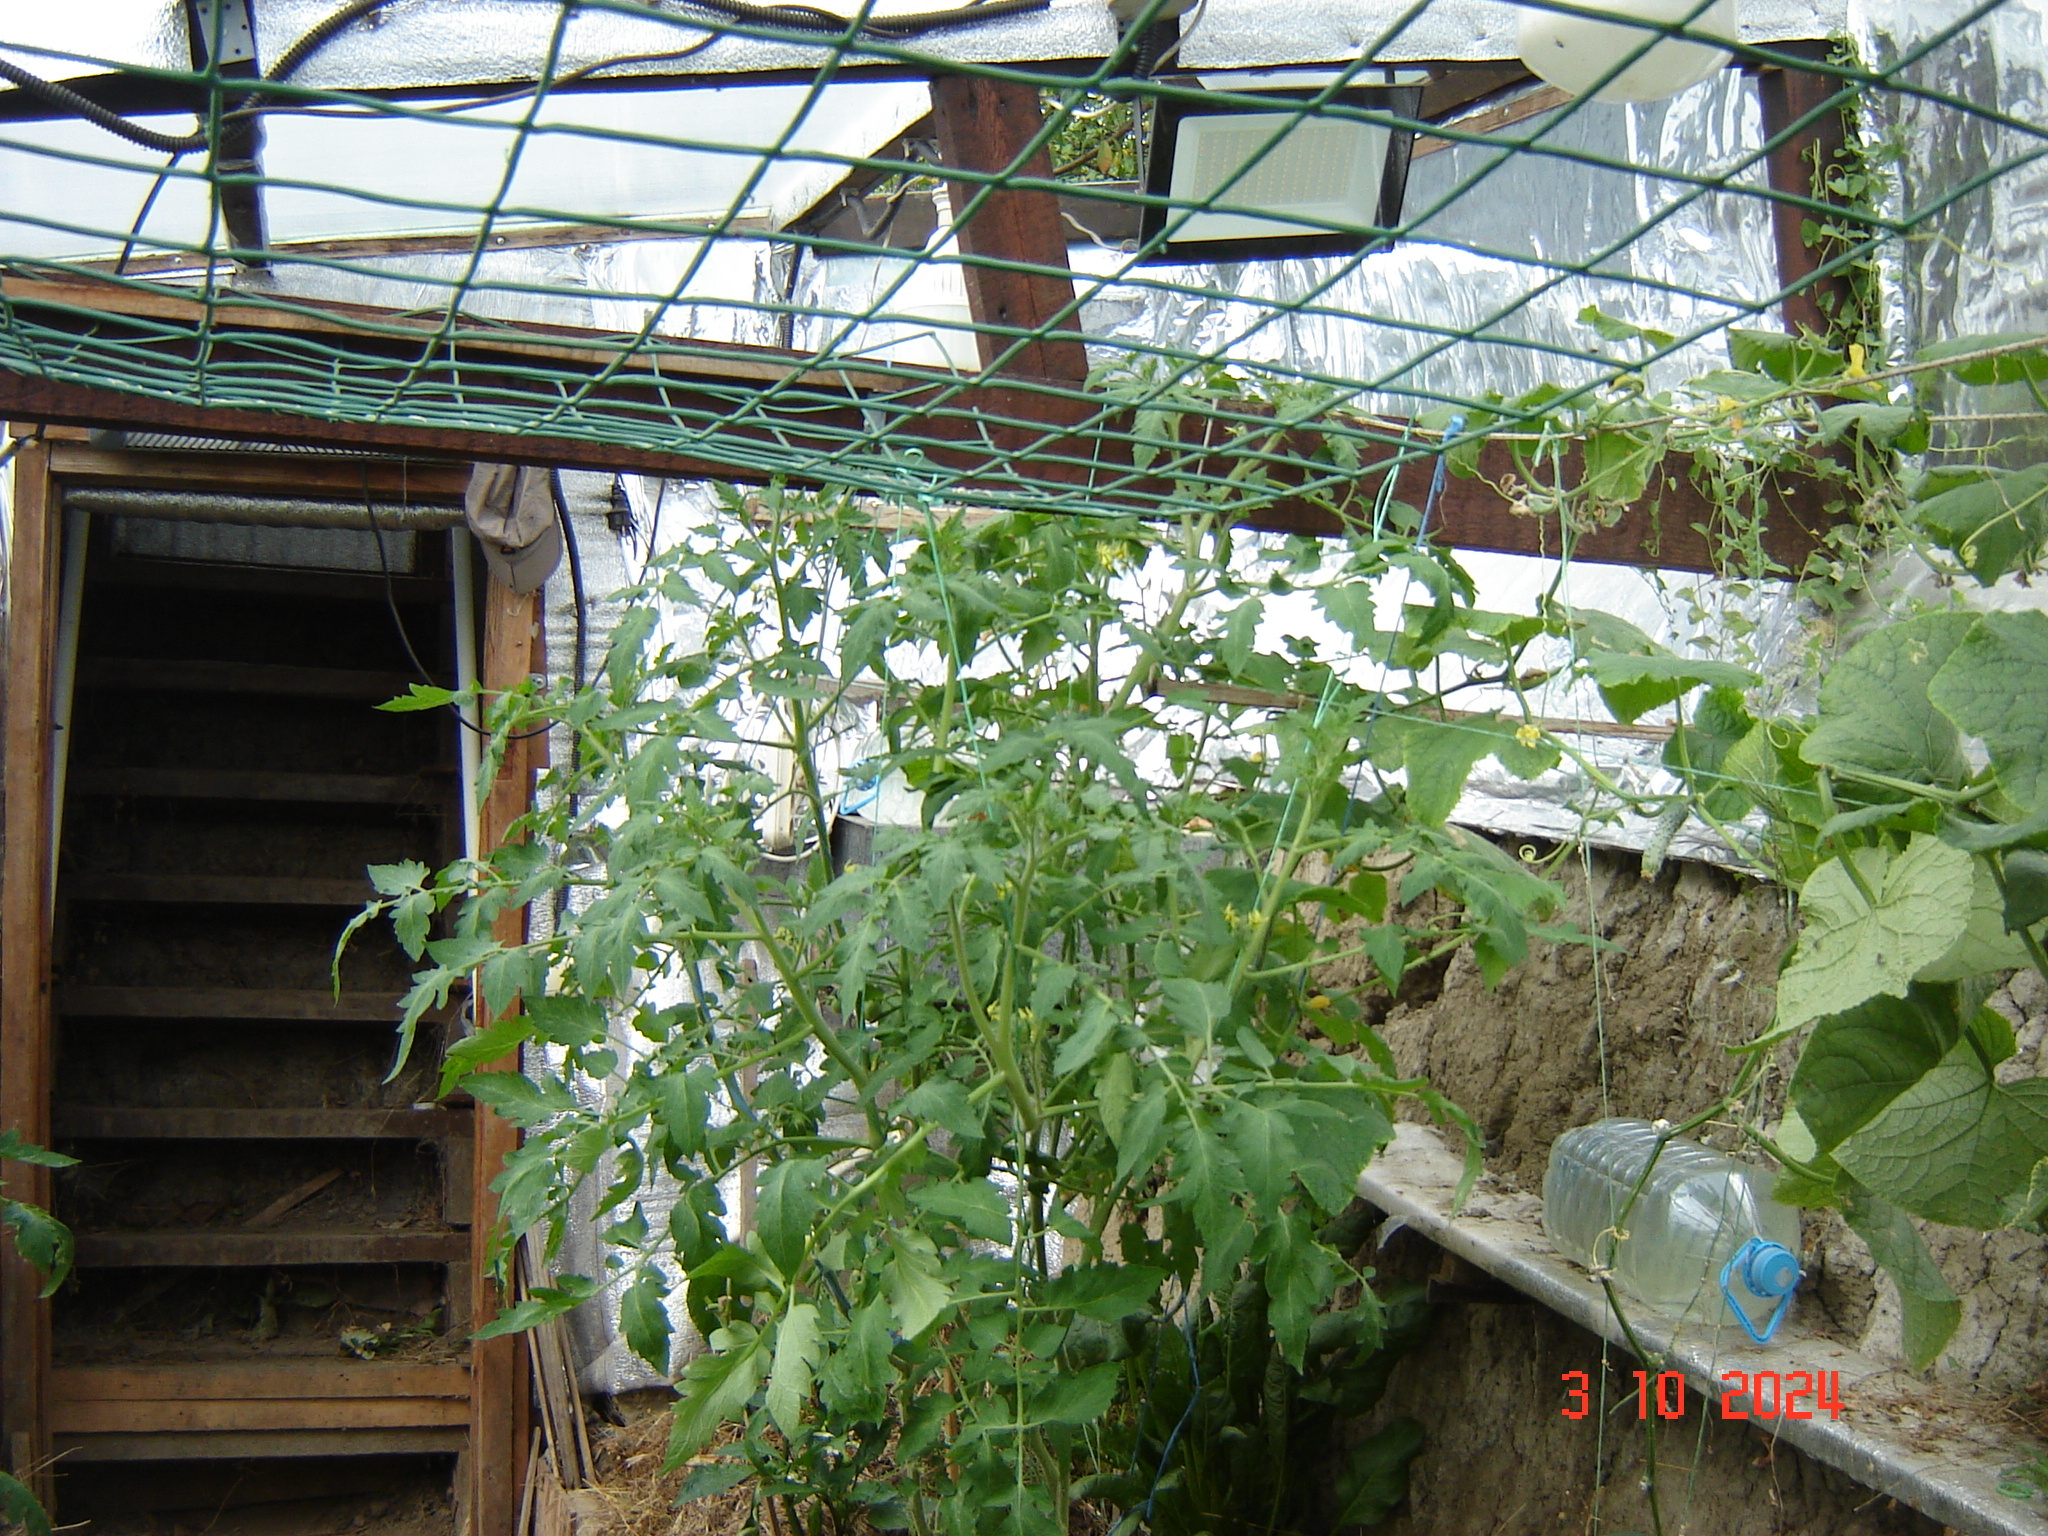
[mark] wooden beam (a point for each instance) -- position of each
(312, 1377)
(26, 1058)
(212, 1249)
(276, 473)
(235, 784)
(115, 1122)
(155, 1416)
(234, 1003)
(1800, 167)
(243, 1445)
(166, 675)
(268, 581)
(499, 1406)
(986, 126)
(1000, 438)
(220, 890)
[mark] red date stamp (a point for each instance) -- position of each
(1767, 1394)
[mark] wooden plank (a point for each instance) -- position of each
(262, 1124)
(250, 1445)
(25, 1032)
(222, 784)
(257, 1413)
(173, 1249)
(279, 473)
(290, 1201)
(500, 1405)
(168, 676)
(1798, 168)
(503, 237)
(307, 1378)
(367, 325)
(219, 890)
(229, 1003)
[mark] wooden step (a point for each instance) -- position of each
(269, 580)
(315, 1007)
(237, 785)
(220, 890)
(263, 1413)
(215, 1396)
(170, 1248)
(311, 1376)
(249, 1445)
(409, 1124)
(249, 677)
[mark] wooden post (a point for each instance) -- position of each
(499, 1398)
(984, 126)
(1799, 168)
(25, 1033)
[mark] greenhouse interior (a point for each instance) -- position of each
(1024, 768)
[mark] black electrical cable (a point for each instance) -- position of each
(398, 622)
(72, 104)
(581, 661)
(142, 214)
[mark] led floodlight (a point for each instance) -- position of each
(1272, 177)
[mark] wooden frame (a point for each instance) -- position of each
(491, 1410)
(25, 917)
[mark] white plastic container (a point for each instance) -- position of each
(1704, 1240)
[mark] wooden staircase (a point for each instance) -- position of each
(254, 1200)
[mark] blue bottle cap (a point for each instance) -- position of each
(1767, 1270)
(1770, 1269)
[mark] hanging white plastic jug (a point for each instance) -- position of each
(1575, 53)
(1701, 1222)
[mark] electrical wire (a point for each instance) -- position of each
(794, 17)
(405, 639)
(580, 664)
(142, 214)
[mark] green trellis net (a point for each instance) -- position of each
(743, 348)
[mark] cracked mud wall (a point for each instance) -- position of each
(1644, 1028)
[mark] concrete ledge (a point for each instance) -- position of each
(1896, 1435)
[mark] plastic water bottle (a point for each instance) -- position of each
(1701, 1222)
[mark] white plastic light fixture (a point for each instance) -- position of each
(1574, 53)
(1280, 181)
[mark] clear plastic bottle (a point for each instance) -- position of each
(1702, 1224)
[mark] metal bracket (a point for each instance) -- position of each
(232, 22)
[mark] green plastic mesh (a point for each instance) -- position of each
(1216, 401)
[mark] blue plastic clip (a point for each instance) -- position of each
(1768, 1271)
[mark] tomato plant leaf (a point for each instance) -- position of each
(796, 1358)
(643, 1317)
(714, 1388)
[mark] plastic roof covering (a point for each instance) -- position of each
(407, 175)
(595, 153)
(432, 42)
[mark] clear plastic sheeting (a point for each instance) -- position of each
(427, 43)
(752, 156)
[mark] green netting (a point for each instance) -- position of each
(1217, 402)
